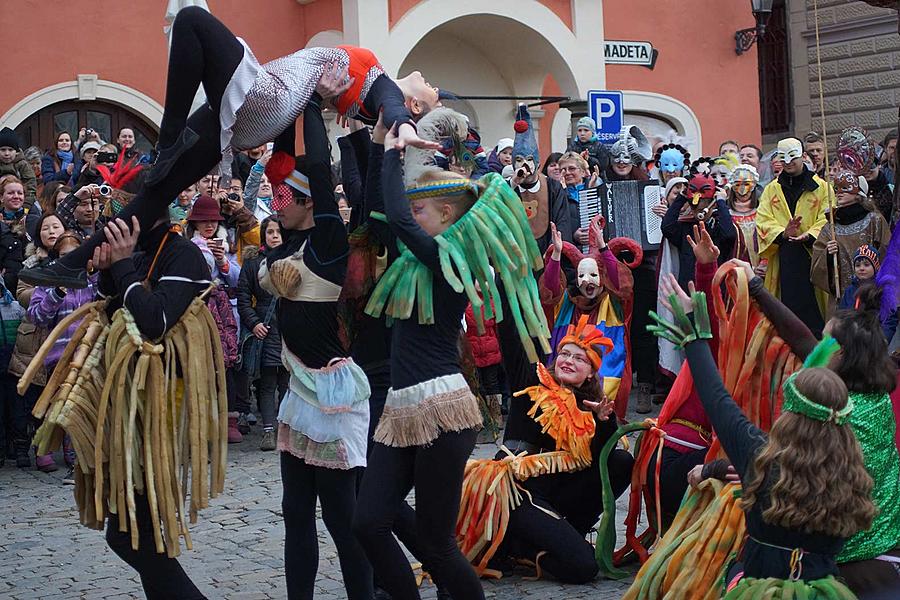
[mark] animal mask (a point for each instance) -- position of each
(701, 186)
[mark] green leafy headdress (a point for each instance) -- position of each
(493, 233)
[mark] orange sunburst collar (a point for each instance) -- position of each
(590, 339)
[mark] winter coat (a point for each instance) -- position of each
(721, 230)
(229, 277)
(253, 302)
(47, 308)
(493, 162)
(598, 154)
(486, 347)
(29, 337)
(21, 168)
(12, 251)
(220, 307)
(50, 170)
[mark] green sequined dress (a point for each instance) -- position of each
(872, 421)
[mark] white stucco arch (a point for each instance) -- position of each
(670, 109)
(327, 38)
(577, 52)
(86, 87)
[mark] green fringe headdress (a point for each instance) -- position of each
(494, 232)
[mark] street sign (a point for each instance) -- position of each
(630, 53)
(606, 109)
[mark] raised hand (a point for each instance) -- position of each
(406, 136)
(748, 269)
(601, 409)
(701, 243)
(668, 286)
(121, 240)
(556, 240)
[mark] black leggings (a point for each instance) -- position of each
(271, 388)
(672, 479)
(336, 490)
(437, 473)
(203, 52)
(237, 390)
(569, 556)
(161, 577)
(644, 346)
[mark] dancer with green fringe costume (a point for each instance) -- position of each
(779, 562)
(451, 232)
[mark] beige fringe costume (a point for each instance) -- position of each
(142, 417)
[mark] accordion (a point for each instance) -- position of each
(626, 206)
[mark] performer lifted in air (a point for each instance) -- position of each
(248, 104)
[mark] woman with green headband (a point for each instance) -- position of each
(864, 365)
(805, 487)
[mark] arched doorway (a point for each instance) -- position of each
(40, 128)
(489, 55)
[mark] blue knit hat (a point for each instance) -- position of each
(525, 144)
(587, 123)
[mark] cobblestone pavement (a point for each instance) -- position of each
(238, 544)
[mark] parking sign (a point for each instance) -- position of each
(606, 109)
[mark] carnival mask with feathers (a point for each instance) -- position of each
(122, 173)
(444, 126)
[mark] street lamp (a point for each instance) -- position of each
(744, 38)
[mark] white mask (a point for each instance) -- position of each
(589, 278)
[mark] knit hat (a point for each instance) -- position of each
(525, 144)
(672, 183)
(286, 171)
(8, 138)
(503, 144)
(205, 209)
(586, 123)
(870, 254)
(88, 146)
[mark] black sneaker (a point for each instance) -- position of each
(55, 274)
(165, 158)
(69, 477)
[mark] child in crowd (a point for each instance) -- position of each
(12, 162)
(50, 305)
(588, 146)
(488, 361)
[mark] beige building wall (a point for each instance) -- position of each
(860, 51)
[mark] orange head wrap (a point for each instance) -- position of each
(590, 339)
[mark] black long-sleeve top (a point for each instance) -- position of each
(385, 96)
(421, 352)
(371, 346)
(310, 329)
(789, 326)
(180, 274)
(721, 230)
(354, 166)
(742, 441)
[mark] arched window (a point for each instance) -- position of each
(106, 118)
